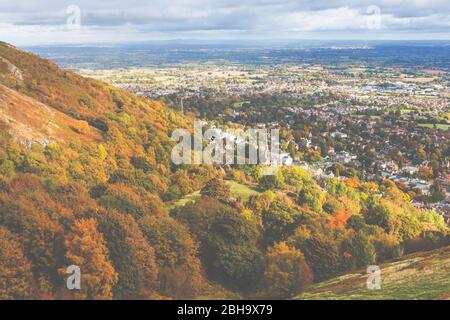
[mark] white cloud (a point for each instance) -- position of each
(42, 21)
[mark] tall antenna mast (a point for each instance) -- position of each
(182, 107)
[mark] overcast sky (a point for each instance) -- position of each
(31, 22)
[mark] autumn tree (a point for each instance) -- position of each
(216, 189)
(312, 196)
(236, 266)
(321, 251)
(437, 193)
(339, 219)
(134, 201)
(15, 269)
(359, 250)
(40, 234)
(286, 272)
(228, 241)
(131, 255)
(180, 273)
(181, 184)
(230, 250)
(395, 215)
(296, 177)
(86, 248)
(279, 220)
(271, 182)
(200, 215)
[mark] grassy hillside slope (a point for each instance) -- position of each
(100, 105)
(33, 122)
(424, 275)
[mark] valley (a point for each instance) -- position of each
(87, 178)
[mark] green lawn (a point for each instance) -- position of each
(180, 203)
(418, 276)
(237, 190)
(241, 190)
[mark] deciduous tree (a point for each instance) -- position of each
(86, 248)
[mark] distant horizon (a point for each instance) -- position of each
(43, 22)
(425, 53)
(273, 43)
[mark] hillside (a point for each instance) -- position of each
(86, 179)
(45, 106)
(79, 97)
(63, 90)
(32, 122)
(418, 276)
(80, 159)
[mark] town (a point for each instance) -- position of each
(372, 122)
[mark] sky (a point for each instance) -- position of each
(44, 22)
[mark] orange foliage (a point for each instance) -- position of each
(86, 248)
(352, 183)
(339, 219)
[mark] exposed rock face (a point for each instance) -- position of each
(16, 72)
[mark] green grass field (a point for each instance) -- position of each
(237, 190)
(181, 202)
(420, 276)
(241, 190)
